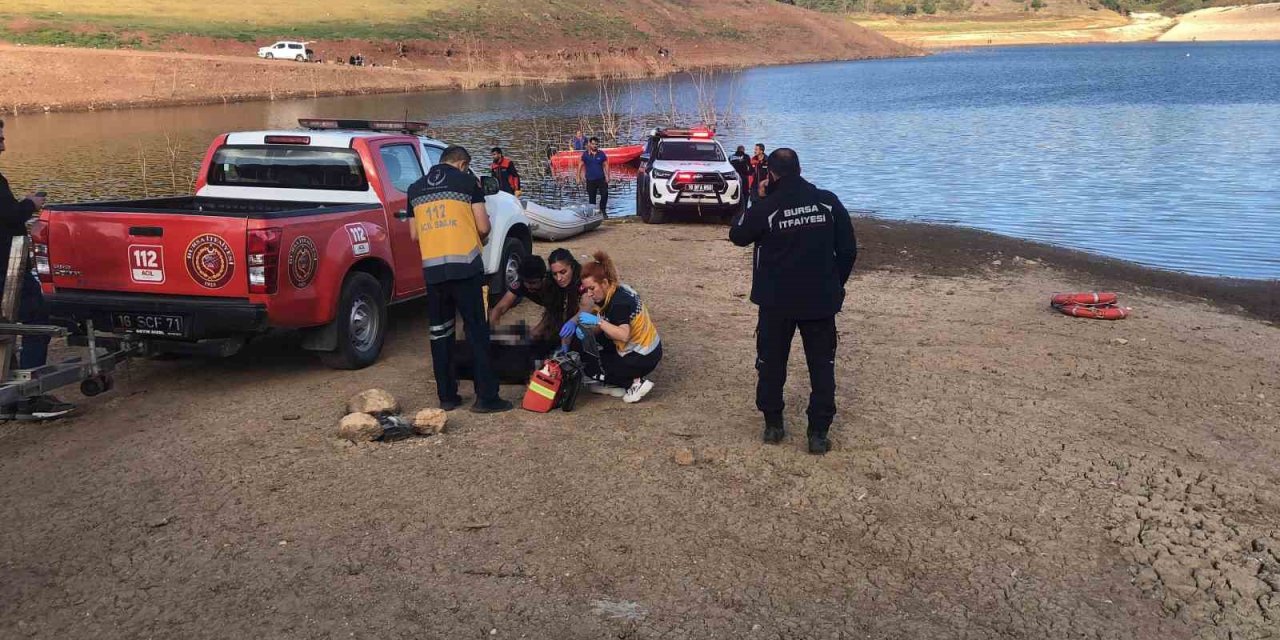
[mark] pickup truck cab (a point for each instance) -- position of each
(303, 229)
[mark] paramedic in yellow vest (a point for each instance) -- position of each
(631, 347)
(450, 224)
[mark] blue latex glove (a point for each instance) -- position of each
(569, 328)
(588, 319)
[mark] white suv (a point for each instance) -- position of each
(686, 170)
(286, 50)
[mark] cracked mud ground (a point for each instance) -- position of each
(1000, 471)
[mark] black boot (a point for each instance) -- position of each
(773, 429)
(818, 443)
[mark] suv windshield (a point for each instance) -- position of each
(690, 151)
(287, 167)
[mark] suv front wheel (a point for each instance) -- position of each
(645, 208)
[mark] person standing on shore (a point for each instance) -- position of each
(450, 225)
(504, 171)
(758, 165)
(805, 250)
(594, 172)
(742, 164)
(14, 216)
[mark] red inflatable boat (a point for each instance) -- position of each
(616, 155)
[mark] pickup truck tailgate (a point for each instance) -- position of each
(168, 254)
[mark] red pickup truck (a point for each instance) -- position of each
(302, 229)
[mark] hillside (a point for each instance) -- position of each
(195, 51)
(427, 26)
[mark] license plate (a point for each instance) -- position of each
(151, 324)
(700, 188)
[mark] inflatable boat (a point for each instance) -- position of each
(558, 224)
(616, 155)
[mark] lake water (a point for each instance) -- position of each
(1163, 154)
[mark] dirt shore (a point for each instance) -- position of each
(1008, 30)
(1000, 470)
(1257, 22)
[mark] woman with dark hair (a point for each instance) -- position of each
(566, 276)
(633, 348)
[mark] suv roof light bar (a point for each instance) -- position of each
(396, 126)
(691, 132)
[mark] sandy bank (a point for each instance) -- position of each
(1000, 471)
(944, 33)
(1257, 22)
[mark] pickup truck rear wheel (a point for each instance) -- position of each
(513, 251)
(300, 58)
(362, 323)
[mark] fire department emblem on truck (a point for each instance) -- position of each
(210, 261)
(304, 258)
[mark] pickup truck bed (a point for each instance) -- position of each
(205, 205)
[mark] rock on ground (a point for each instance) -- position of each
(359, 427)
(375, 402)
(430, 422)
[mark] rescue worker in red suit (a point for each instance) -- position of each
(758, 166)
(504, 171)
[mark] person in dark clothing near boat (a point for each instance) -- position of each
(14, 216)
(804, 253)
(504, 171)
(450, 225)
(594, 172)
(742, 164)
(758, 166)
(579, 142)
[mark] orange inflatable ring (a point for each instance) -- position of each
(1096, 312)
(1091, 298)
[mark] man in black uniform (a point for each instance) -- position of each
(805, 249)
(14, 216)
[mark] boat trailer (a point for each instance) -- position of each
(106, 350)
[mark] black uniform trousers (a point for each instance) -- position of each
(774, 331)
(445, 301)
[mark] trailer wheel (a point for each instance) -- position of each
(361, 323)
(96, 385)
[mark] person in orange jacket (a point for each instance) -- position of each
(504, 171)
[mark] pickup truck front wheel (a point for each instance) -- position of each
(513, 251)
(361, 323)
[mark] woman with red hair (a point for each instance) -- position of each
(633, 348)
